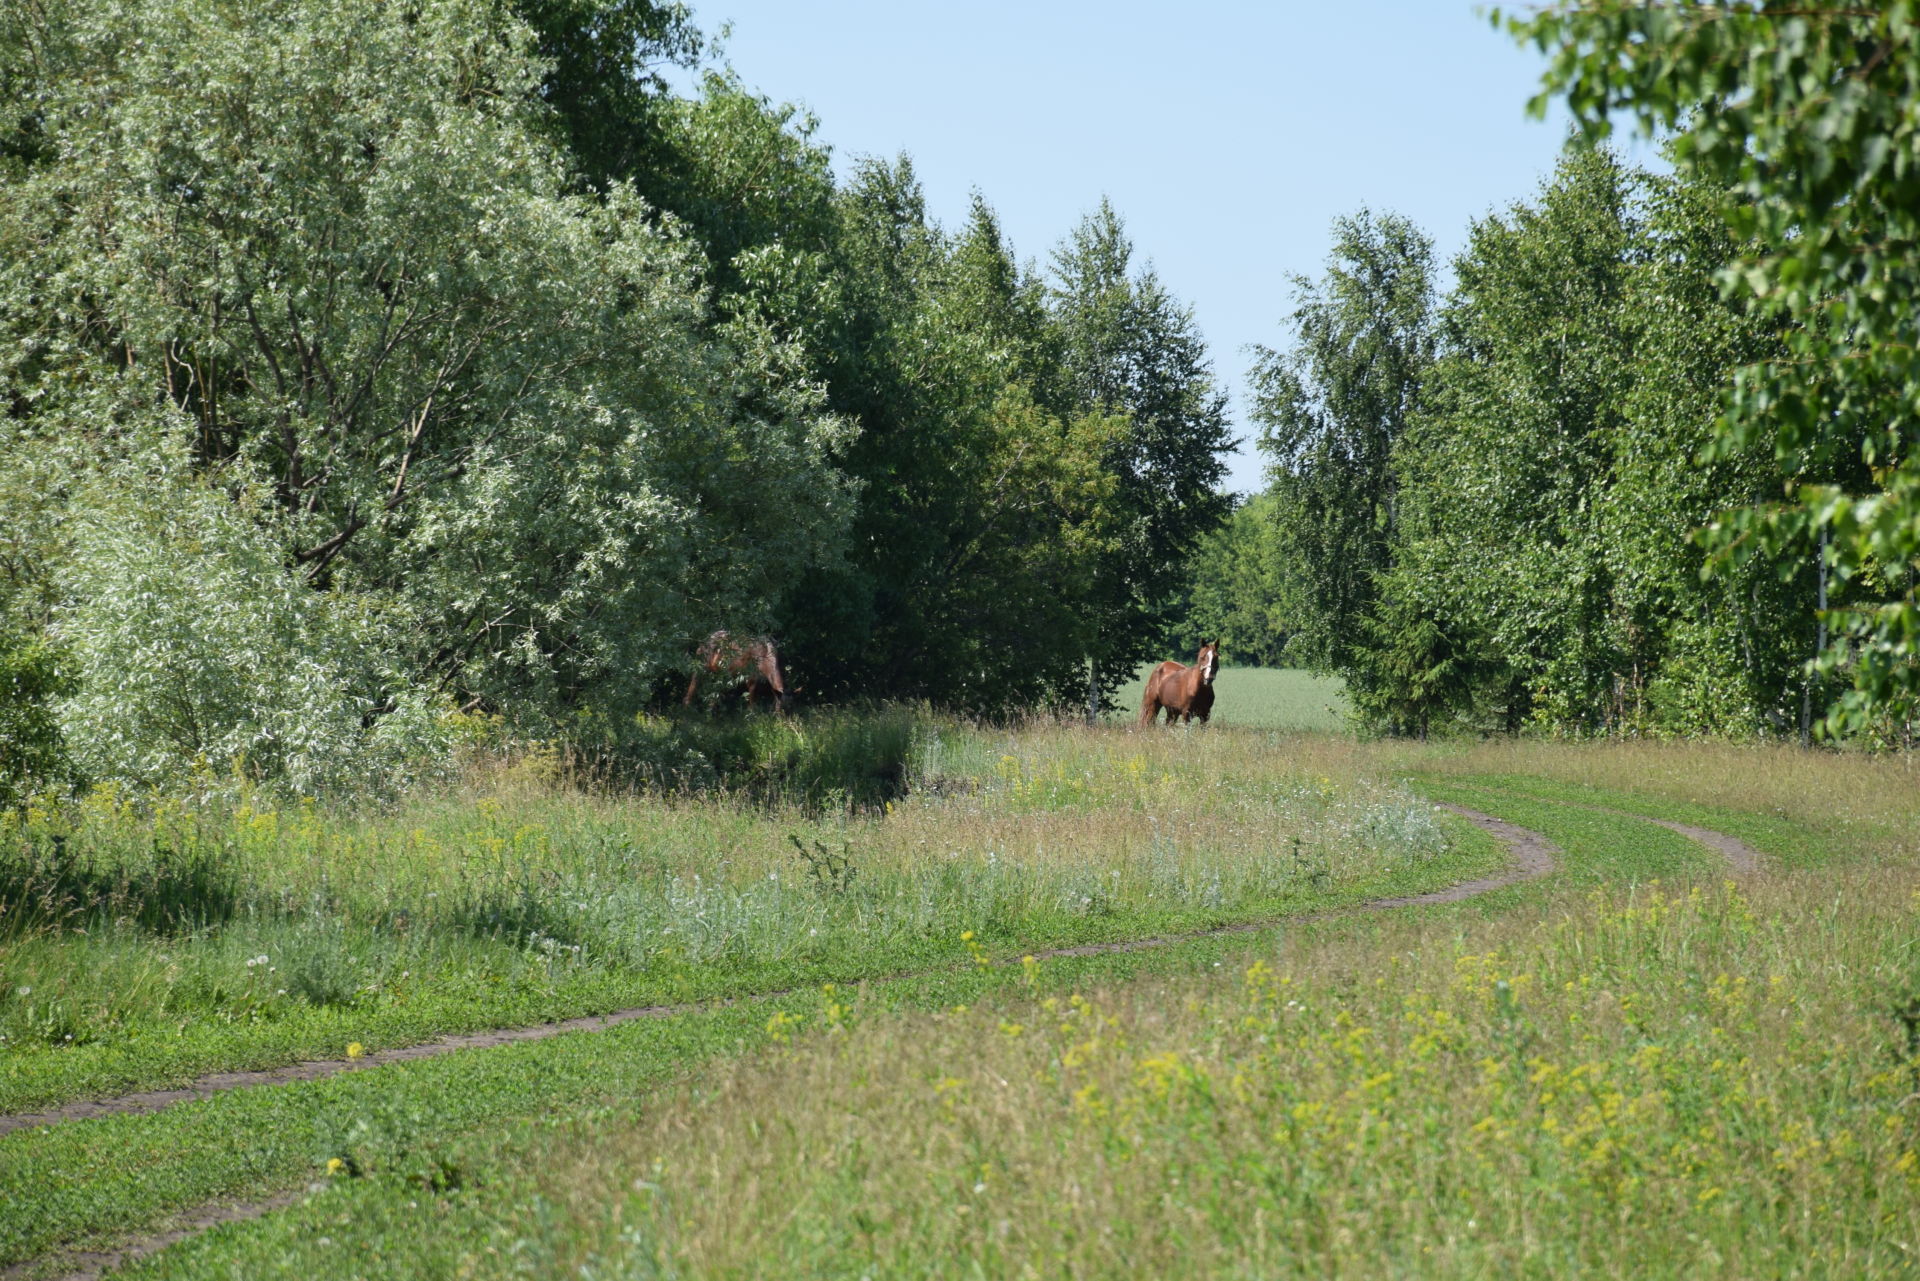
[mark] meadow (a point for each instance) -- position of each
(891, 1046)
(1256, 697)
(147, 944)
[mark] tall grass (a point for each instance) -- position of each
(120, 920)
(1714, 1082)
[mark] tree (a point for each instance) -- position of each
(598, 75)
(499, 415)
(981, 507)
(1333, 407)
(1130, 349)
(1244, 589)
(1802, 115)
(1549, 487)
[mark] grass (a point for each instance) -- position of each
(1257, 698)
(1811, 804)
(147, 947)
(1630, 1066)
(399, 1124)
(1672, 1082)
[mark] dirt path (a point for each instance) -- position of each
(1532, 856)
(1532, 853)
(91, 1265)
(1742, 859)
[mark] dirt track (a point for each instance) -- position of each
(1533, 856)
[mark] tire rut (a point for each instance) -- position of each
(1532, 855)
(1742, 859)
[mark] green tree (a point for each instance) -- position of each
(1244, 590)
(1802, 114)
(1513, 443)
(600, 76)
(981, 509)
(1331, 410)
(1545, 565)
(1130, 350)
(336, 242)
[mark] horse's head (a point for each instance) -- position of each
(1208, 661)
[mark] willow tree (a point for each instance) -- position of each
(331, 253)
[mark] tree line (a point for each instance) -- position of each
(1648, 463)
(363, 362)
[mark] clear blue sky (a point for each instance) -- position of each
(1227, 135)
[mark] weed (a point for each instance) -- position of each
(832, 873)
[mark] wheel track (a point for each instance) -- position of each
(1533, 856)
(1741, 858)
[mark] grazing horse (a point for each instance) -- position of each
(1183, 691)
(754, 657)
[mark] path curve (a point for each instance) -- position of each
(1742, 859)
(1532, 853)
(1532, 856)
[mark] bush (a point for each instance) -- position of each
(32, 753)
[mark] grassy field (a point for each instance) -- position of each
(145, 947)
(1634, 1064)
(1257, 698)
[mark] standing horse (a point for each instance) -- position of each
(754, 657)
(1183, 691)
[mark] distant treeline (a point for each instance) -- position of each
(366, 362)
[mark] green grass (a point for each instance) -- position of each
(1597, 848)
(145, 948)
(768, 1135)
(1257, 698)
(398, 1124)
(1603, 1077)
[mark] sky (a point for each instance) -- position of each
(1228, 136)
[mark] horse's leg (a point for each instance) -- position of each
(692, 685)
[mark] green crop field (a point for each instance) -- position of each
(1283, 698)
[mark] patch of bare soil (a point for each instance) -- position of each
(1741, 857)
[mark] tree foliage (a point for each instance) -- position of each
(1129, 349)
(1800, 117)
(1332, 408)
(361, 362)
(1549, 480)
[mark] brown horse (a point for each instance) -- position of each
(754, 657)
(1183, 691)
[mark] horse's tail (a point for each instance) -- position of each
(1150, 698)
